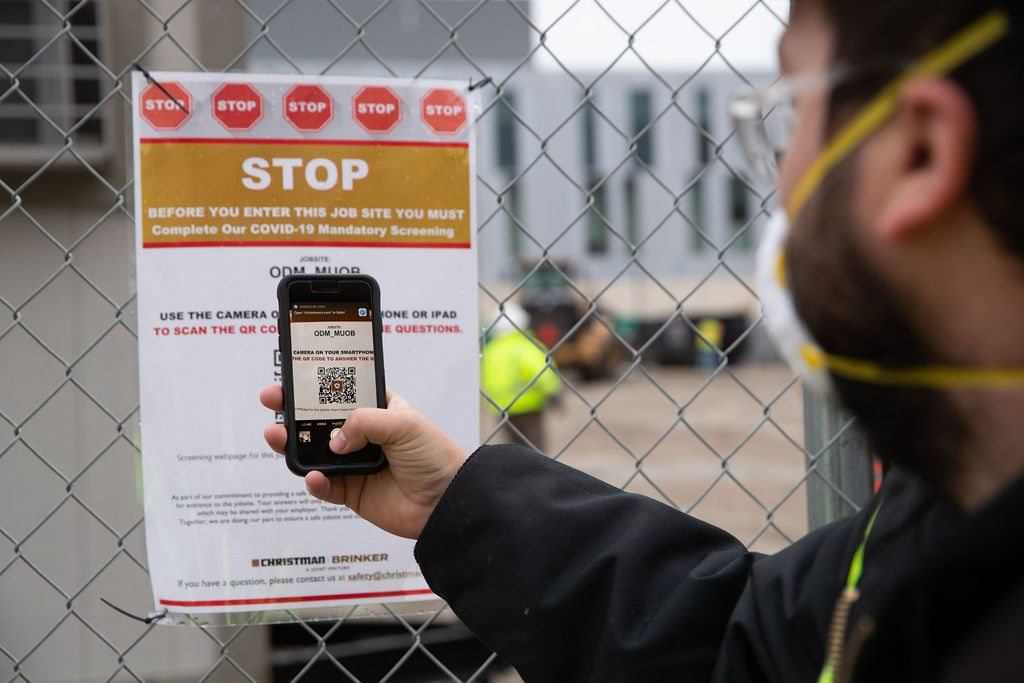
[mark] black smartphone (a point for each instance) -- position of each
(331, 364)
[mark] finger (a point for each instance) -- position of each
(273, 397)
(276, 437)
(396, 401)
(366, 425)
(327, 489)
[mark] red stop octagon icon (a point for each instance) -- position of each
(238, 106)
(308, 107)
(443, 110)
(162, 112)
(376, 109)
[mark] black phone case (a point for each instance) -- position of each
(284, 343)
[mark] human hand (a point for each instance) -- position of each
(422, 461)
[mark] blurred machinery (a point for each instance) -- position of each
(592, 350)
(555, 309)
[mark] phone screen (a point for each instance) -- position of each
(333, 373)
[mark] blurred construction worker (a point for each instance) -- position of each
(892, 278)
(709, 343)
(516, 377)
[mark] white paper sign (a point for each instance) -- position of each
(241, 179)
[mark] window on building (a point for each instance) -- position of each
(630, 202)
(589, 135)
(508, 152)
(698, 211)
(698, 194)
(640, 117)
(704, 119)
(515, 233)
(63, 81)
(597, 231)
(739, 212)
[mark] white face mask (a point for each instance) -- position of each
(789, 332)
(816, 366)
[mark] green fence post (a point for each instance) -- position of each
(844, 461)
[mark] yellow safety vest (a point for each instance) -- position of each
(515, 374)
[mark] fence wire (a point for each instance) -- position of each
(71, 521)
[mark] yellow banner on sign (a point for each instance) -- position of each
(200, 192)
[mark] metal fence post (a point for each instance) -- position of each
(839, 459)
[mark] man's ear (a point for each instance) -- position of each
(935, 132)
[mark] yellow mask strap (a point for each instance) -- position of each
(972, 40)
(930, 377)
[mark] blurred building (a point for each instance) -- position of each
(683, 210)
(541, 147)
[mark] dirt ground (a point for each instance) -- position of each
(725, 449)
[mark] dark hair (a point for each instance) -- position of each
(897, 32)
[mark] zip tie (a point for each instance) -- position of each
(145, 620)
(159, 85)
(479, 84)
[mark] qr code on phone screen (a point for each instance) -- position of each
(337, 385)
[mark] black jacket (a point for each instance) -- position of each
(568, 578)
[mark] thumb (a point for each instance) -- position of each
(366, 425)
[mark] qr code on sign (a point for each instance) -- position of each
(337, 385)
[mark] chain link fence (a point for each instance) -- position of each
(612, 207)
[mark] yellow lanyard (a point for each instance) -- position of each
(841, 613)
